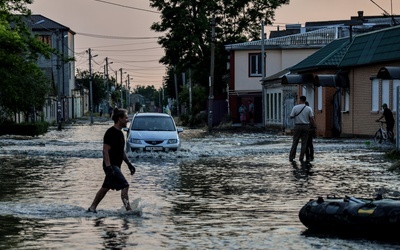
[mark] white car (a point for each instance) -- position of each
(152, 132)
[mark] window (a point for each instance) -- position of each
(375, 95)
(274, 107)
(255, 65)
(319, 89)
(46, 39)
(396, 83)
(385, 92)
(346, 101)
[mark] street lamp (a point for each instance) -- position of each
(128, 93)
(106, 78)
(91, 88)
(121, 87)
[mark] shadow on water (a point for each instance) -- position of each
(21, 175)
(391, 240)
(13, 227)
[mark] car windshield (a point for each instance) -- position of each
(153, 123)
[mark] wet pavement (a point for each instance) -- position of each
(225, 190)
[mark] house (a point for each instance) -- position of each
(68, 101)
(273, 100)
(349, 80)
(281, 53)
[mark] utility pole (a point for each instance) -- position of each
(190, 90)
(176, 92)
(59, 82)
(211, 79)
(264, 90)
(128, 97)
(91, 87)
(122, 103)
(106, 75)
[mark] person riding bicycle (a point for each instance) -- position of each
(389, 119)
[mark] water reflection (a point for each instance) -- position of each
(231, 191)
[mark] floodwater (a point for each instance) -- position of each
(228, 190)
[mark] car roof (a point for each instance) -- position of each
(152, 114)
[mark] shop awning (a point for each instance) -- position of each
(331, 81)
(389, 72)
(297, 79)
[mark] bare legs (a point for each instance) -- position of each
(103, 191)
(125, 199)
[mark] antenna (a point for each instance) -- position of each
(384, 11)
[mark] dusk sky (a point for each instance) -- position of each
(134, 47)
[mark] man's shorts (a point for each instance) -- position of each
(116, 181)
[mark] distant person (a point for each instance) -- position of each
(310, 146)
(389, 119)
(101, 112)
(251, 112)
(113, 155)
(242, 113)
(303, 117)
(110, 110)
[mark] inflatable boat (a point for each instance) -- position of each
(349, 214)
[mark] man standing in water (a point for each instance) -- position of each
(113, 155)
(303, 117)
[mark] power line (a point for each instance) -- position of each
(129, 7)
(126, 50)
(120, 45)
(115, 37)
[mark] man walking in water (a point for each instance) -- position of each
(303, 117)
(113, 155)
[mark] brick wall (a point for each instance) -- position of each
(360, 120)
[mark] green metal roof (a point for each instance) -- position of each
(369, 48)
(327, 57)
(375, 47)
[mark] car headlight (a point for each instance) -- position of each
(135, 141)
(172, 141)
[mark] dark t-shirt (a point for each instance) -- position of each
(388, 116)
(115, 138)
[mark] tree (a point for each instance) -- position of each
(146, 91)
(99, 91)
(19, 53)
(199, 98)
(187, 28)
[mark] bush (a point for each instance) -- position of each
(192, 121)
(29, 129)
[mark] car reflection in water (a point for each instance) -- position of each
(152, 132)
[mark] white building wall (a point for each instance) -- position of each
(276, 61)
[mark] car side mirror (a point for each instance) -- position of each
(179, 130)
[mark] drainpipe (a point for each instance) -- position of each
(264, 89)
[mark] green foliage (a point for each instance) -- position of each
(19, 53)
(199, 119)
(147, 91)
(137, 107)
(28, 129)
(98, 87)
(186, 26)
(199, 98)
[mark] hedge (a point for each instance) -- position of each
(29, 129)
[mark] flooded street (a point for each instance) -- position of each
(228, 190)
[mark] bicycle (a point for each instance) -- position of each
(382, 135)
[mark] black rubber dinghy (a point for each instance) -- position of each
(349, 214)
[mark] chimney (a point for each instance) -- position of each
(360, 14)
